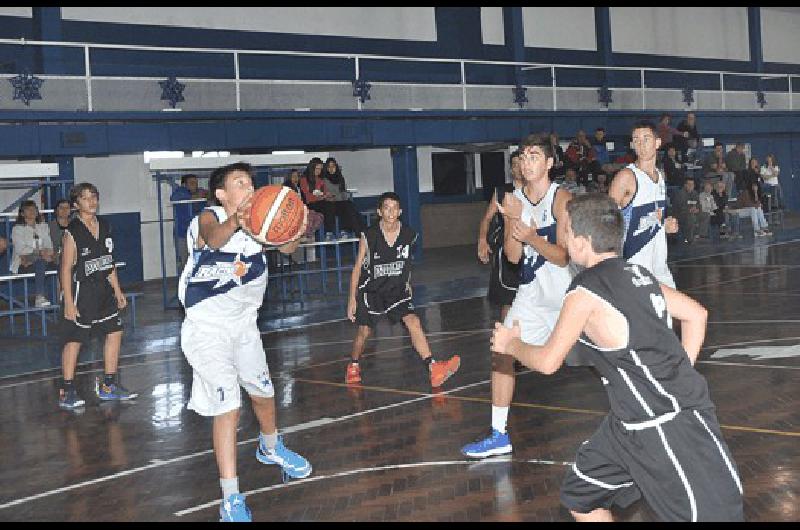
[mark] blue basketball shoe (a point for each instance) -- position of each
(112, 392)
(234, 510)
(294, 465)
(496, 444)
(68, 399)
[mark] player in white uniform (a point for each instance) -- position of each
(640, 191)
(534, 237)
(222, 286)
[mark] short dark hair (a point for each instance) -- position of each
(187, 177)
(597, 217)
(514, 155)
(718, 144)
(644, 124)
(387, 196)
(59, 202)
(665, 115)
(78, 189)
(600, 129)
(541, 140)
(217, 179)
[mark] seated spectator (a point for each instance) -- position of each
(690, 140)
(685, 204)
(315, 219)
(33, 250)
(666, 132)
(752, 182)
(184, 213)
(58, 224)
(715, 168)
(673, 168)
(582, 157)
(726, 217)
(600, 185)
(769, 172)
(736, 160)
(623, 160)
(747, 205)
(558, 169)
(571, 183)
(315, 192)
(708, 207)
(350, 222)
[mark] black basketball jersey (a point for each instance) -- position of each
(95, 258)
(385, 268)
(652, 376)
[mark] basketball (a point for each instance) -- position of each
(277, 213)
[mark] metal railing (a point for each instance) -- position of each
(553, 87)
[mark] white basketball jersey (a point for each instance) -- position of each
(226, 282)
(645, 238)
(541, 281)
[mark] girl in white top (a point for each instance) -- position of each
(33, 249)
(770, 171)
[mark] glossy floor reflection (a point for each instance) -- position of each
(389, 449)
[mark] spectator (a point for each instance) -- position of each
(691, 139)
(350, 221)
(314, 192)
(666, 132)
(628, 158)
(715, 168)
(599, 145)
(33, 249)
(707, 208)
(725, 216)
(57, 226)
(747, 205)
(558, 169)
(673, 169)
(686, 210)
(582, 157)
(736, 160)
(752, 181)
(3, 245)
(315, 219)
(184, 213)
(571, 182)
(769, 172)
(601, 185)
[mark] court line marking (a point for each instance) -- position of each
(748, 342)
(738, 293)
(734, 266)
(371, 339)
(748, 365)
(738, 279)
(358, 471)
(296, 428)
(795, 321)
(682, 260)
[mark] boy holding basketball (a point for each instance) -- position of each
(380, 286)
(222, 288)
(661, 439)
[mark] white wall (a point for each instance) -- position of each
(559, 27)
(703, 32)
(26, 12)
(404, 23)
(370, 171)
(492, 26)
(780, 34)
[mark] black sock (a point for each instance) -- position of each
(428, 361)
(68, 384)
(354, 361)
(108, 380)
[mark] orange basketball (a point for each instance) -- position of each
(276, 215)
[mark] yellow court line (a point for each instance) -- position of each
(525, 405)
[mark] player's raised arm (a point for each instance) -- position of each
(693, 317)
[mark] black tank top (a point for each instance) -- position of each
(95, 259)
(387, 268)
(652, 375)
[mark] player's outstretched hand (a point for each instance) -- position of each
(484, 251)
(670, 225)
(351, 310)
(511, 207)
(243, 212)
(522, 232)
(291, 246)
(502, 336)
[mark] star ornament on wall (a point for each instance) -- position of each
(688, 96)
(361, 90)
(26, 87)
(519, 95)
(761, 99)
(172, 90)
(604, 96)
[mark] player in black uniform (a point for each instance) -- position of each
(379, 285)
(92, 296)
(661, 439)
(504, 277)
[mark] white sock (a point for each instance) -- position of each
(230, 486)
(499, 418)
(270, 440)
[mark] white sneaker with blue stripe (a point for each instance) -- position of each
(294, 465)
(498, 443)
(234, 510)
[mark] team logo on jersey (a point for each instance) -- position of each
(102, 263)
(110, 244)
(85, 252)
(222, 271)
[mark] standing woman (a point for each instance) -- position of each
(314, 194)
(349, 218)
(769, 172)
(33, 250)
(92, 296)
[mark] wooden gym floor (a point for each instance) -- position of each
(389, 450)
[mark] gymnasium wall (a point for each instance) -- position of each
(780, 34)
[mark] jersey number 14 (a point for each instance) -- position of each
(402, 252)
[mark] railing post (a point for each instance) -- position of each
(358, 73)
(88, 69)
(790, 92)
(644, 96)
(238, 85)
(555, 90)
(722, 89)
(463, 87)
